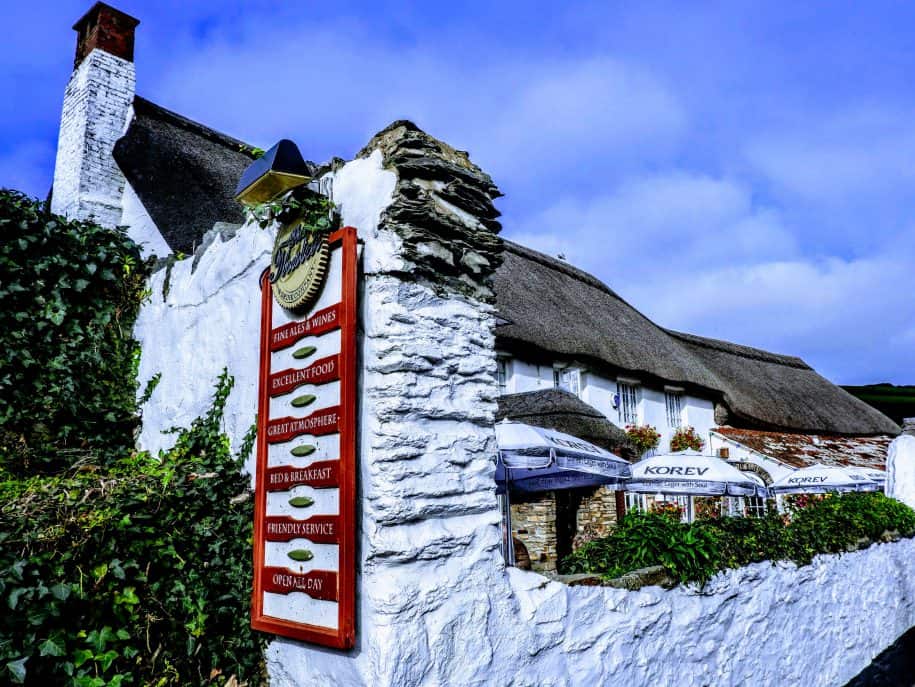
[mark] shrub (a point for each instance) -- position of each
(70, 292)
(694, 552)
(643, 437)
(831, 524)
(686, 438)
(669, 509)
(645, 539)
(137, 572)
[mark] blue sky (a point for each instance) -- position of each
(738, 170)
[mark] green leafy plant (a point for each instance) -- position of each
(646, 539)
(694, 552)
(686, 438)
(313, 210)
(132, 573)
(643, 437)
(670, 509)
(116, 567)
(70, 291)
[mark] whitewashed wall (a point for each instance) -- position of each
(203, 315)
(598, 392)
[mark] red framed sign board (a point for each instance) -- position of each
(305, 491)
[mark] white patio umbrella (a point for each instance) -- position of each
(533, 459)
(878, 476)
(820, 479)
(692, 474)
(526, 446)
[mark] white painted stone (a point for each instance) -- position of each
(97, 102)
(900, 469)
(209, 320)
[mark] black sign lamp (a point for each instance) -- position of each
(276, 171)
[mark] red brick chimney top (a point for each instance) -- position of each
(106, 28)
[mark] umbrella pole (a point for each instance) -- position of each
(510, 541)
(689, 507)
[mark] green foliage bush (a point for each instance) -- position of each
(116, 567)
(694, 552)
(645, 539)
(137, 572)
(70, 292)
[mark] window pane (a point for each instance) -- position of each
(674, 408)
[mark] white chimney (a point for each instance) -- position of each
(97, 104)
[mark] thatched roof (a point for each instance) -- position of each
(552, 309)
(564, 412)
(183, 172)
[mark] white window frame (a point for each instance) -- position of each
(673, 402)
(630, 395)
(568, 379)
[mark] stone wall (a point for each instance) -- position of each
(534, 525)
(596, 514)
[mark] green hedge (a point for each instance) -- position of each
(137, 572)
(694, 552)
(70, 292)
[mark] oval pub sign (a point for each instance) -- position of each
(298, 266)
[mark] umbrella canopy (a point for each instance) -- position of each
(538, 459)
(878, 477)
(690, 473)
(819, 479)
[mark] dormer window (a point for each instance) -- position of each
(567, 379)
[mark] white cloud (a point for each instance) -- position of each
(335, 85)
(651, 226)
(696, 253)
(843, 316)
(842, 158)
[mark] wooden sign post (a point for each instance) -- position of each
(304, 516)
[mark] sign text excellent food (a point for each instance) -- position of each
(304, 519)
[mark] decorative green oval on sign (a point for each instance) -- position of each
(303, 401)
(304, 352)
(301, 555)
(303, 450)
(301, 501)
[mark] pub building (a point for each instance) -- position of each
(572, 354)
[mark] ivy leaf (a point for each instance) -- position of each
(15, 595)
(61, 591)
(80, 656)
(17, 669)
(50, 648)
(107, 659)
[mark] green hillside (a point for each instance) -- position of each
(897, 402)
